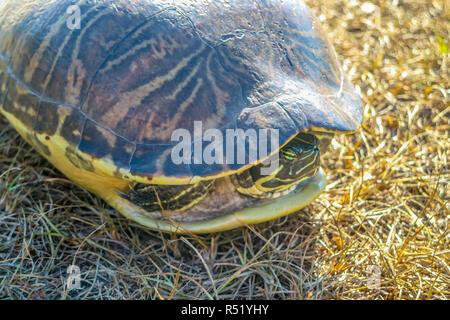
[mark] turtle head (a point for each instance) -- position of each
(298, 161)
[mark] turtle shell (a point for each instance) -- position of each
(116, 88)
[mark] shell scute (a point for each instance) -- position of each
(156, 159)
(72, 125)
(268, 116)
(47, 120)
(20, 103)
(102, 143)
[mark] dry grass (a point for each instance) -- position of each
(384, 214)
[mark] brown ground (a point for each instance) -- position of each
(384, 216)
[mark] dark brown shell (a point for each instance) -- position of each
(137, 70)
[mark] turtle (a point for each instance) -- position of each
(185, 116)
